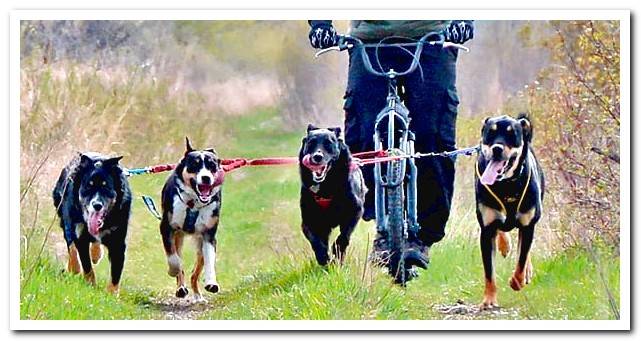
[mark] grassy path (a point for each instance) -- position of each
(265, 266)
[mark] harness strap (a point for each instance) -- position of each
(496, 197)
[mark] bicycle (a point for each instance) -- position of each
(395, 198)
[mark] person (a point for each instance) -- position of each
(430, 95)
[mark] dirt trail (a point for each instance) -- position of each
(467, 311)
(174, 308)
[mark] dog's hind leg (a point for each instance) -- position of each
(523, 265)
(73, 264)
(342, 241)
(96, 253)
(195, 274)
(503, 243)
(182, 290)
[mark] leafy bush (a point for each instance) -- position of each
(576, 109)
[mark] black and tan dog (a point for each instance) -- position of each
(191, 202)
(332, 191)
(93, 200)
(509, 194)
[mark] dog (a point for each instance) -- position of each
(191, 203)
(93, 200)
(509, 193)
(332, 191)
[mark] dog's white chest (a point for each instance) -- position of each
(180, 211)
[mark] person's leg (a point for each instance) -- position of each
(364, 98)
(433, 102)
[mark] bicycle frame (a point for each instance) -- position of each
(395, 112)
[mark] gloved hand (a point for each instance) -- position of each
(322, 34)
(459, 31)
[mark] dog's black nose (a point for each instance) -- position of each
(206, 179)
(497, 152)
(97, 206)
(317, 158)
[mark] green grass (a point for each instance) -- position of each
(265, 265)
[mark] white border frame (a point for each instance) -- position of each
(14, 172)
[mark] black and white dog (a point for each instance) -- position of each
(93, 200)
(509, 194)
(191, 202)
(332, 191)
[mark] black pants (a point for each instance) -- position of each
(431, 98)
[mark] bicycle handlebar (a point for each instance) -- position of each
(346, 42)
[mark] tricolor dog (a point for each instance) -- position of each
(509, 194)
(93, 200)
(191, 202)
(332, 191)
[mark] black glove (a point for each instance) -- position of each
(459, 31)
(322, 34)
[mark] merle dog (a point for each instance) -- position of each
(93, 200)
(191, 202)
(509, 194)
(332, 191)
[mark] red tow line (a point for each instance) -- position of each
(228, 165)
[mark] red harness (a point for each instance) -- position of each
(323, 202)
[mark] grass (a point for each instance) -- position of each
(265, 265)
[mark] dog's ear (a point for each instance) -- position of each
(188, 147)
(526, 126)
(311, 127)
(211, 150)
(85, 160)
(112, 163)
(484, 123)
(336, 131)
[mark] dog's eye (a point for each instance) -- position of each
(90, 182)
(103, 183)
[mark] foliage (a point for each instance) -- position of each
(576, 107)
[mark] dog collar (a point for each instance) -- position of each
(496, 197)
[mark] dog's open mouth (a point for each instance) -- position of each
(95, 222)
(319, 171)
(493, 170)
(204, 192)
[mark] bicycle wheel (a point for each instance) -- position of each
(396, 223)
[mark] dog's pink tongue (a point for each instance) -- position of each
(491, 172)
(95, 223)
(312, 167)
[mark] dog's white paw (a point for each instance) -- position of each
(212, 287)
(198, 299)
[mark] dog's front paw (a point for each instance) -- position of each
(212, 287)
(182, 291)
(488, 305)
(175, 265)
(113, 289)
